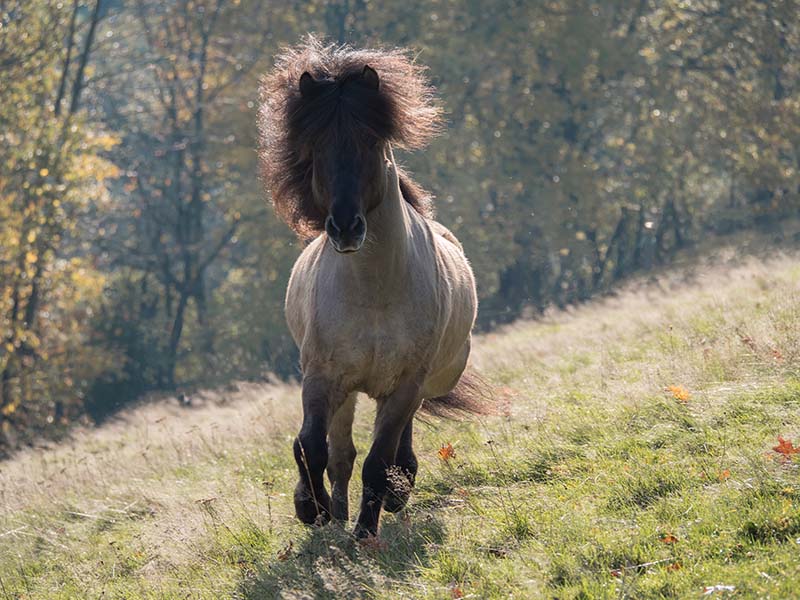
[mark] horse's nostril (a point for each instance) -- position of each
(331, 228)
(359, 226)
(351, 237)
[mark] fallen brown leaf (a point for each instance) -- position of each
(785, 448)
(446, 452)
(681, 394)
(668, 538)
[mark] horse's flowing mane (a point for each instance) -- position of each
(402, 111)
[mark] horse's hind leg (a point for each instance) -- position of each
(401, 481)
(394, 413)
(311, 501)
(341, 455)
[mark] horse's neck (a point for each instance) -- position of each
(382, 265)
(389, 222)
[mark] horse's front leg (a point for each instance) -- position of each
(402, 480)
(311, 500)
(342, 455)
(394, 413)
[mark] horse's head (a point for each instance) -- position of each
(328, 117)
(347, 160)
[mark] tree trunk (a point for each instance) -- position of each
(175, 338)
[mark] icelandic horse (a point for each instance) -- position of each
(383, 300)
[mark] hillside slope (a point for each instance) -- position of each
(600, 481)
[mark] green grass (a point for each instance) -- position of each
(598, 483)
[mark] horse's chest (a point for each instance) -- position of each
(370, 350)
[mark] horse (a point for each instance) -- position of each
(382, 300)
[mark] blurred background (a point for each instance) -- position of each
(585, 141)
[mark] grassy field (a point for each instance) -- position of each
(599, 482)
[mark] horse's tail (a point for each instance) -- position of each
(471, 395)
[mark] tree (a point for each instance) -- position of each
(49, 176)
(181, 209)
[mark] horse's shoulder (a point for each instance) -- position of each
(310, 253)
(299, 289)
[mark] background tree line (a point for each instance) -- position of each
(585, 141)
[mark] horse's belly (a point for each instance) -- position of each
(370, 353)
(398, 344)
(444, 378)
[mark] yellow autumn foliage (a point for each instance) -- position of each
(50, 177)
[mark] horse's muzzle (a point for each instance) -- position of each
(348, 239)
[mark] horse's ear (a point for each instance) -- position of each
(370, 77)
(306, 84)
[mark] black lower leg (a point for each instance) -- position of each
(339, 471)
(341, 456)
(394, 413)
(311, 501)
(374, 479)
(403, 474)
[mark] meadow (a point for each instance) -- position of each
(646, 447)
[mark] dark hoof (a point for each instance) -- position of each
(341, 512)
(364, 533)
(395, 502)
(309, 510)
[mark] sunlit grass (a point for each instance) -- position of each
(601, 481)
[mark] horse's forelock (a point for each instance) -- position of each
(401, 111)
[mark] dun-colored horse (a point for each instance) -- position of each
(382, 301)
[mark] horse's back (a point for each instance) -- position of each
(458, 297)
(444, 232)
